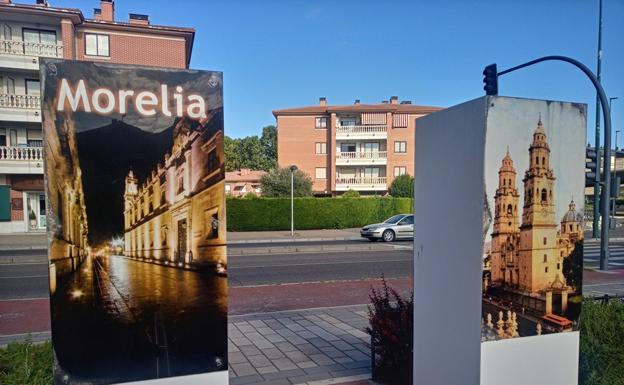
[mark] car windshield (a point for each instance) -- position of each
(394, 219)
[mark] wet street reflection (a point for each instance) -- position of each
(118, 319)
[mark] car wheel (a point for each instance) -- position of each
(388, 236)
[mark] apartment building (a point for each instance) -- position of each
(31, 31)
(360, 147)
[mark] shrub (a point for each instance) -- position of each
(311, 213)
(402, 186)
(391, 320)
(602, 343)
(25, 363)
(350, 194)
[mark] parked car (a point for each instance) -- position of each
(399, 226)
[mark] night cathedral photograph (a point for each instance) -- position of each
(533, 247)
(136, 222)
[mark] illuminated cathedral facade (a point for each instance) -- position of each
(527, 253)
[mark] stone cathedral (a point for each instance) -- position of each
(527, 257)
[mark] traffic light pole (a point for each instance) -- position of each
(606, 186)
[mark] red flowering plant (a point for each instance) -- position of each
(391, 320)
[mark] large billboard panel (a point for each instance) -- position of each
(136, 222)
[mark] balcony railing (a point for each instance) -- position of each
(21, 153)
(25, 48)
(368, 129)
(362, 155)
(30, 102)
(362, 180)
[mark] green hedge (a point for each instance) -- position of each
(257, 214)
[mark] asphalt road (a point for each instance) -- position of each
(30, 280)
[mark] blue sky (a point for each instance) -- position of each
(279, 54)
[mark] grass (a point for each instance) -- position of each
(26, 363)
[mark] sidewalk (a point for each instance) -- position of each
(300, 347)
(24, 241)
(300, 236)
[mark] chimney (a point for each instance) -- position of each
(322, 101)
(384, 102)
(108, 10)
(394, 100)
(97, 13)
(137, 18)
(406, 102)
(357, 101)
(42, 2)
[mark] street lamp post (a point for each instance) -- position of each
(293, 168)
(612, 221)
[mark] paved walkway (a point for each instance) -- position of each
(24, 241)
(300, 235)
(299, 347)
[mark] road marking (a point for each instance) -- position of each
(23, 263)
(25, 299)
(318, 264)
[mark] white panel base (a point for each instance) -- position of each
(540, 360)
(214, 378)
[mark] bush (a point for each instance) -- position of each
(350, 194)
(402, 186)
(391, 320)
(276, 183)
(602, 343)
(311, 213)
(25, 363)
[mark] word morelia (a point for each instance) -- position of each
(105, 101)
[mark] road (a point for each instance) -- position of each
(30, 280)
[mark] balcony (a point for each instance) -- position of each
(20, 108)
(361, 184)
(21, 160)
(361, 158)
(362, 132)
(25, 55)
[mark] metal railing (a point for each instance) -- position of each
(363, 155)
(362, 180)
(25, 48)
(20, 101)
(367, 129)
(21, 153)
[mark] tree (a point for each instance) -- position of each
(276, 183)
(402, 186)
(268, 140)
(350, 194)
(252, 152)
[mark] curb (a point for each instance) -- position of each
(282, 240)
(24, 260)
(313, 249)
(34, 337)
(23, 247)
(338, 380)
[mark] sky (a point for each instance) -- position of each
(287, 53)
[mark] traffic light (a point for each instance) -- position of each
(591, 163)
(490, 80)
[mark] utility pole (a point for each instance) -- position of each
(293, 168)
(597, 138)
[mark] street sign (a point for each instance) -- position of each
(136, 223)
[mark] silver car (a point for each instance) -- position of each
(399, 226)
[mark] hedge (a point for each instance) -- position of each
(257, 214)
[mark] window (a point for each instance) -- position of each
(33, 87)
(408, 220)
(545, 258)
(228, 188)
(546, 269)
(320, 148)
(321, 122)
(8, 32)
(400, 170)
(97, 45)
(321, 173)
(13, 134)
(545, 240)
(34, 138)
(347, 147)
(180, 181)
(213, 160)
(10, 86)
(558, 266)
(400, 147)
(3, 141)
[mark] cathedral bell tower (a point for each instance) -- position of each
(505, 227)
(539, 268)
(131, 190)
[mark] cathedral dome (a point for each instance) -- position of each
(572, 215)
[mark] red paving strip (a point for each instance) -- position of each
(598, 277)
(24, 316)
(262, 299)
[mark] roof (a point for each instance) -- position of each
(244, 175)
(78, 18)
(381, 107)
